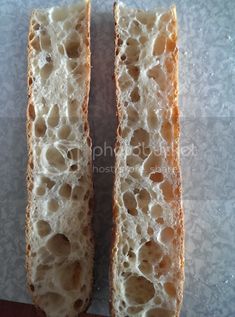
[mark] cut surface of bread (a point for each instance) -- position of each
(59, 240)
(147, 255)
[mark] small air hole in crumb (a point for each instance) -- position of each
(135, 97)
(31, 112)
(40, 127)
(43, 228)
(65, 191)
(167, 234)
(64, 132)
(170, 289)
(78, 304)
(130, 203)
(160, 220)
(53, 205)
(156, 177)
(55, 158)
(73, 48)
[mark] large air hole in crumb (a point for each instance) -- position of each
(135, 97)
(140, 137)
(55, 158)
(167, 234)
(70, 276)
(133, 71)
(138, 290)
(43, 228)
(170, 289)
(40, 127)
(54, 116)
(46, 70)
(59, 14)
(65, 191)
(152, 119)
(64, 132)
(130, 203)
(158, 75)
(167, 190)
(45, 42)
(53, 205)
(166, 131)
(152, 163)
(72, 46)
(150, 252)
(143, 199)
(51, 301)
(159, 45)
(59, 245)
(160, 312)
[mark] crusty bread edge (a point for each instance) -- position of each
(115, 235)
(29, 170)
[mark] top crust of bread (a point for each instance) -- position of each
(59, 240)
(147, 271)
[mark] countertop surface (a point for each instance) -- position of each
(207, 106)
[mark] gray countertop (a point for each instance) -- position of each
(207, 103)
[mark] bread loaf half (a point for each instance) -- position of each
(58, 230)
(147, 256)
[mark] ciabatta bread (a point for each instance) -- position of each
(147, 256)
(58, 229)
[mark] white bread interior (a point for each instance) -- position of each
(147, 256)
(58, 229)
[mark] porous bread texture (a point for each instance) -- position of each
(58, 226)
(147, 256)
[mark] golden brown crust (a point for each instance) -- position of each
(30, 116)
(175, 162)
